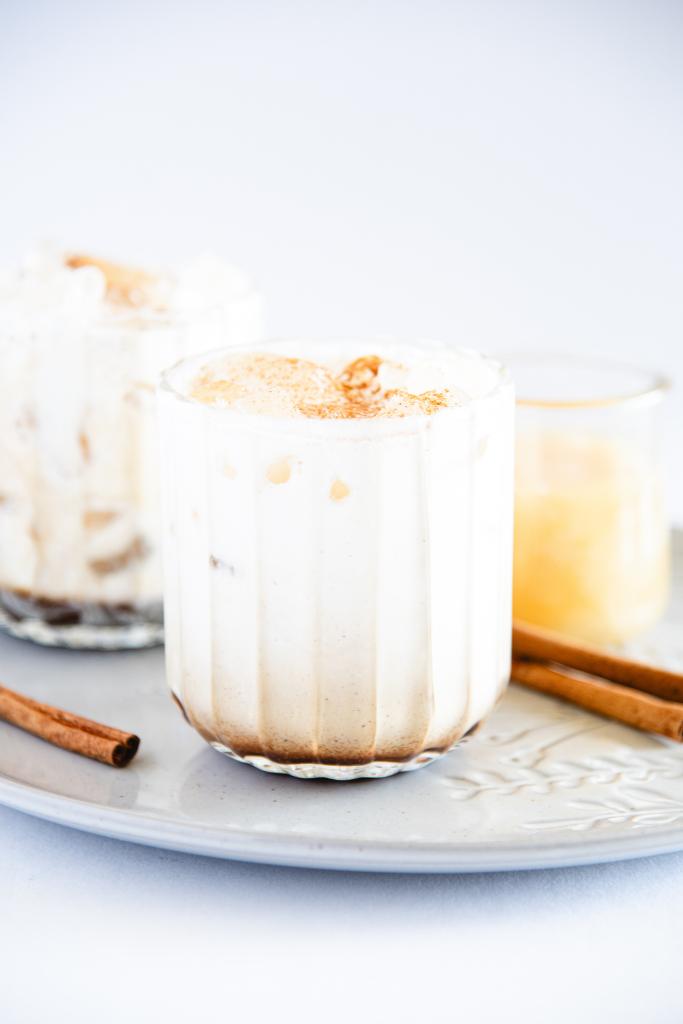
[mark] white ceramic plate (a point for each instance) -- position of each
(542, 784)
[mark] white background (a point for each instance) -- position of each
(503, 175)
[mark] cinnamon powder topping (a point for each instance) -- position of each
(280, 386)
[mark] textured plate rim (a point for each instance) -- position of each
(332, 854)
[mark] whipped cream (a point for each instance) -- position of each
(270, 383)
(88, 287)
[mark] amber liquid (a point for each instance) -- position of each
(591, 556)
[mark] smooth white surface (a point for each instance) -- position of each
(499, 174)
(114, 928)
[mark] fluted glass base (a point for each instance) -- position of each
(337, 772)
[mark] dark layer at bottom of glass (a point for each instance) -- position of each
(87, 624)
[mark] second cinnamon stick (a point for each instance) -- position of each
(531, 642)
(640, 710)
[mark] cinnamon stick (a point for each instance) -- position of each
(532, 642)
(71, 732)
(610, 699)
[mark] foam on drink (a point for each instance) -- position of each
(276, 385)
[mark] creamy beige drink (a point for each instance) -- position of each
(82, 342)
(338, 535)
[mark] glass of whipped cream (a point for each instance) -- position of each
(591, 529)
(82, 343)
(338, 551)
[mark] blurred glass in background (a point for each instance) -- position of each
(591, 529)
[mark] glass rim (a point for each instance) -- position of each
(655, 384)
(351, 427)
